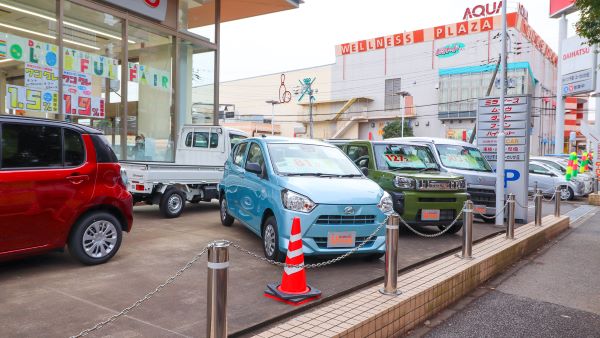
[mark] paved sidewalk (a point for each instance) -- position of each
(555, 293)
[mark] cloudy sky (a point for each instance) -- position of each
(306, 37)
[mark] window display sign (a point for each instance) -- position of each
(516, 175)
(44, 55)
(41, 77)
(22, 98)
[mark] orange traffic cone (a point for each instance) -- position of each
(293, 289)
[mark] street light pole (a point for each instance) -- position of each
(273, 103)
(402, 110)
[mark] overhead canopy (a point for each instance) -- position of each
(231, 10)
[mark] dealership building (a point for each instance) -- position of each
(123, 66)
(432, 76)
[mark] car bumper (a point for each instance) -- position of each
(324, 219)
(410, 204)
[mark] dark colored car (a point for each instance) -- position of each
(60, 184)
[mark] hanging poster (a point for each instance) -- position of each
(22, 98)
(41, 77)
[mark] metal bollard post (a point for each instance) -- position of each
(216, 313)
(510, 224)
(538, 207)
(467, 247)
(557, 202)
(390, 280)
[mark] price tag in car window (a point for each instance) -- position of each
(344, 239)
(430, 215)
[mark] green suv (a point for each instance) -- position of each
(422, 194)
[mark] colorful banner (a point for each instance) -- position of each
(45, 55)
(22, 98)
(46, 101)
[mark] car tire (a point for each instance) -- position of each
(95, 238)
(226, 219)
(455, 228)
(375, 256)
(270, 237)
(172, 203)
(567, 194)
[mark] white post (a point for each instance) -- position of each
(272, 119)
(559, 137)
(501, 137)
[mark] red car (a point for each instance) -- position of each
(60, 184)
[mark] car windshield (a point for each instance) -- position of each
(461, 157)
(404, 157)
(310, 159)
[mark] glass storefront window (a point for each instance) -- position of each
(149, 95)
(28, 57)
(92, 70)
(201, 107)
(198, 17)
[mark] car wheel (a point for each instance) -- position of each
(172, 203)
(455, 228)
(226, 219)
(96, 238)
(375, 256)
(567, 194)
(270, 236)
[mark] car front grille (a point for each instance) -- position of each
(345, 220)
(483, 197)
(322, 242)
(438, 185)
(437, 200)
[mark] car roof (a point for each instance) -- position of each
(289, 140)
(35, 120)
(434, 140)
(399, 141)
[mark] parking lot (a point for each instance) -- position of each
(54, 296)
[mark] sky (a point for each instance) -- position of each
(306, 37)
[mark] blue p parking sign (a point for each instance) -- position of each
(511, 175)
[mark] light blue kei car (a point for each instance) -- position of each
(270, 180)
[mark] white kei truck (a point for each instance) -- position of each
(194, 176)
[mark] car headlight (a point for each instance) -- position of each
(296, 202)
(386, 204)
(404, 182)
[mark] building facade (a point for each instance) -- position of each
(431, 76)
(126, 67)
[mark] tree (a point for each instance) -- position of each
(589, 23)
(393, 129)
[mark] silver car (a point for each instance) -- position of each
(546, 178)
(561, 164)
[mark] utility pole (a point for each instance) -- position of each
(404, 94)
(488, 93)
(501, 137)
(273, 103)
(306, 84)
(559, 137)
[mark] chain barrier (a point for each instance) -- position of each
(551, 199)
(143, 299)
(436, 234)
(492, 217)
(315, 265)
(527, 207)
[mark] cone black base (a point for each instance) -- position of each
(289, 298)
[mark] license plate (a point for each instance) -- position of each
(430, 215)
(344, 239)
(480, 209)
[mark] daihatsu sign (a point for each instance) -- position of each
(577, 66)
(155, 9)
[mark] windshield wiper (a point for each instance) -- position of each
(310, 174)
(404, 168)
(350, 175)
(427, 169)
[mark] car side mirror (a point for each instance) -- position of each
(255, 168)
(365, 171)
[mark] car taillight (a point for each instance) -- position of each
(139, 187)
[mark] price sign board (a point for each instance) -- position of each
(517, 114)
(23, 98)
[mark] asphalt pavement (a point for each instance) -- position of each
(53, 296)
(554, 293)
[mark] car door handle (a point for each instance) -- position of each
(77, 179)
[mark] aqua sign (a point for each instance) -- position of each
(450, 50)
